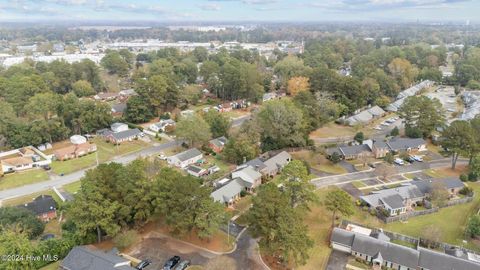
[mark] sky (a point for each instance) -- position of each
(241, 10)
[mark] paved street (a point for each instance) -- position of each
(239, 120)
(70, 178)
(321, 182)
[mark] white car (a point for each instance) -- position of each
(399, 161)
(418, 158)
(378, 128)
(162, 156)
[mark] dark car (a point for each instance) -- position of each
(183, 265)
(47, 167)
(143, 264)
(171, 263)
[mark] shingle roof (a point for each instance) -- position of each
(41, 205)
(439, 261)
(188, 154)
(228, 191)
(83, 258)
(279, 160)
(405, 143)
(343, 237)
(194, 169)
(247, 174)
(426, 185)
(120, 107)
(354, 149)
(256, 163)
(394, 201)
(219, 142)
(126, 134)
(390, 252)
(405, 192)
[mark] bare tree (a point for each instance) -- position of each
(383, 171)
(438, 194)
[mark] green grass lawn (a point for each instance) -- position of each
(30, 197)
(72, 187)
(52, 266)
(22, 178)
(318, 162)
(243, 204)
(106, 151)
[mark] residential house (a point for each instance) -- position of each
(185, 158)
(119, 127)
(196, 170)
(127, 93)
(217, 144)
(23, 159)
(83, 258)
(124, 136)
(230, 192)
(397, 144)
(269, 96)
(105, 96)
(44, 207)
(382, 253)
(452, 184)
(351, 151)
(187, 113)
(402, 96)
(119, 109)
(275, 164)
(162, 126)
(74, 151)
(396, 201)
(365, 116)
(257, 164)
(250, 176)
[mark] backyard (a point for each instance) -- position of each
(22, 178)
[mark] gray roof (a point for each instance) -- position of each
(126, 134)
(228, 191)
(376, 111)
(380, 144)
(83, 258)
(219, 142)
(450, 182)
(354, 149)
(256, 163)
(247, 174)
(279, 160)
(41, 205)
(394, 201)
(116, 125)
(188, 154)
(432, 260)
(405, 143)
(405, 192)
(390, 252)
(380, 236)
(343, 237)
(119, 107)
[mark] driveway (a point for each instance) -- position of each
(352, 190)
(337, 260)
(158, 248)
(347, 166)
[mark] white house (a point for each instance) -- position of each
(160, 126)
(119, 127)
(250, 176)
(23, 159)
(183, 159)
(78, 139)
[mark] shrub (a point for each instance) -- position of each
(125, 239)
(394, 132)
(472, 177)
(466, 191)
(413, 132)
(243, 193)
(463, 177)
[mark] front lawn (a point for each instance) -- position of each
(52, 266)
(318, 162)
(22, 178)
(332, 129)
(105, 151)
(30, 197)
(72, 187)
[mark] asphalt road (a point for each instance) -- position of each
(73, 177)
(351, 177)
(239, 120)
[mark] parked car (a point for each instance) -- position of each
(46, 167)
(162, 156)
(183, 265)
(171, 263)
(143, 264)
(418, 158)
(399, 161)
(378, 128)
(411, 159)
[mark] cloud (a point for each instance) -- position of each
(249, 2)
(210, 7)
